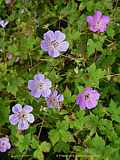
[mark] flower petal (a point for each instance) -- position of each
(63, 46)
(59, 36)
(46, 92)
(27, 108)
(91, 104)
(48, 83)
(23, 125)
(96, 94)
(105, 19)
(14, 119)
(53, 53)
(39, 76)
(97, 16)
(30, 118)
(90, 20)
(31, 84)
(61, 97)
(36, 93)
(17, 108)
(49, 36)
(55, 93)
(44, 45)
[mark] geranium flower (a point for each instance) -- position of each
(54, 100)
(4, 144)
(54, 43)
(98, 22)
(88, 98)
(40, 86)
(21, 116)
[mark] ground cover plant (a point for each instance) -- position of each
(59, 80)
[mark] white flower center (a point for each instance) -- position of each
(53, 44)
(99, 23)
(39, 85)
(22, 115)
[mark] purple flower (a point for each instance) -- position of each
(21, 116)
(4, 144)
(98, 22)
(54, 43)
(3, 23)
(88, 98)
(54, 100)
(40, 86)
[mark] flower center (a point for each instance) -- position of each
(3, 143)
(87, 96)
(53, 101)
(99, 23)
(53, 44)
(22, 115)
(39, 85)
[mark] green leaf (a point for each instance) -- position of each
(110, 32)
(66, 136)
(13, 49)
(38, 154)
(68, 98)
(62, 147)
(54, 136)
(90, 47)
(94, 75)
(45, 146)
(97, 142)
(90, 5)
(4, 111)
(62, 125)
(34, 143)
(23, 142)
(13, 83)
(114, 110)
(96, 146)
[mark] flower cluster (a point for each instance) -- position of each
(42, 87)
(53, 43)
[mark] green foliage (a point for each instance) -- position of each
(4, 111)
(43, 147)
(92, 60)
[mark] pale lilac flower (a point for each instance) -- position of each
(4, 144)
(98, 22)
(3, 23)
(21, 116)
(88, 98)
(9, 56)
(54, 43)
(40, 86)
(54, 100)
